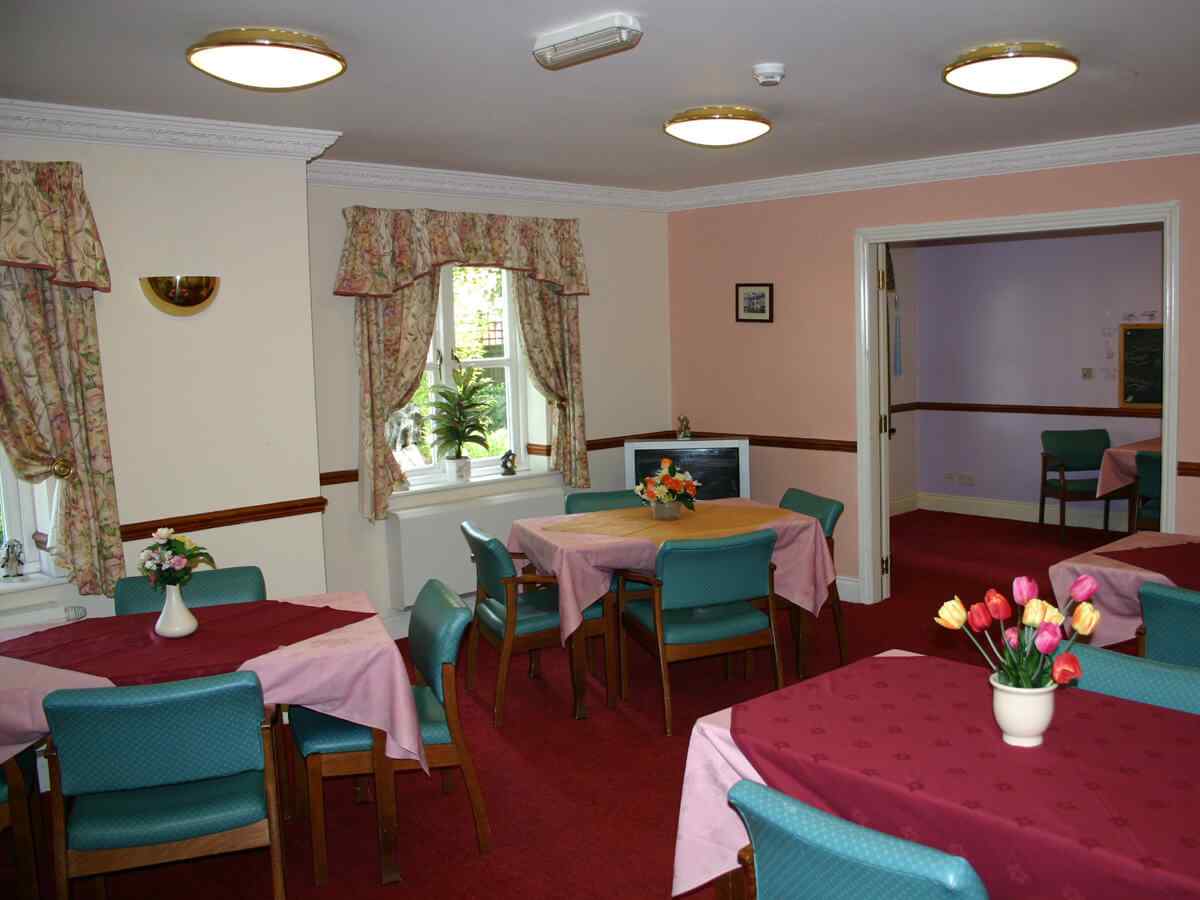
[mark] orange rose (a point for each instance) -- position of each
(664, 463)
(691, 488)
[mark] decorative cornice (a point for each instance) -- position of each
(23, 118)
(1181, 141)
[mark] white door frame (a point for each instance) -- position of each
(867, 346)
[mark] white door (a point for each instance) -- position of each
(884, 293)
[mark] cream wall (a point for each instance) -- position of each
(216, 410)
(626, 349)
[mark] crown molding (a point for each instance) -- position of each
(1181, 141)
(24, 118)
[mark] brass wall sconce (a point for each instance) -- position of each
(180, 295)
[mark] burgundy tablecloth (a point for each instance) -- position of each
(1179, 562)
(125, 649)
(1107, 807)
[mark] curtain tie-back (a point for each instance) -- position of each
(62, 468)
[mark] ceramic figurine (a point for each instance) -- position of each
(685, 429)
(12, 559)
(508, 463)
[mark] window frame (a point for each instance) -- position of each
(28, 508)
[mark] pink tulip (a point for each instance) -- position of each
(1012, 637)
(1083, 587)
(1024, 589)
(1047, 638)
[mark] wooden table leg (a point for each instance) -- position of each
(385, 805)
(576, 649)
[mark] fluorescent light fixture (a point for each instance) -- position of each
(588, 40)
(717, 126)
(266, 59)
(1010, 70)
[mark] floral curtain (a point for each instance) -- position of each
(53, 420)
(390, 262)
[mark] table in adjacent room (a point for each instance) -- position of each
(908, 746)
(1118, 467)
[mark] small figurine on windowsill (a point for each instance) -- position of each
(12, 559)
(685, 429)
(508, 463)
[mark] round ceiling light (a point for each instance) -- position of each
(1009, 70)
(266, 59)
(717, 126)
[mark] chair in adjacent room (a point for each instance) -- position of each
(797, 851)
(20, 810)
(703, 604)
(1171, 617)
(518, 613)
(157, 773)
(1073, 451)
(1141, 680)
(329, 746)
(215, 587)
(827, 512)
(1148, 491)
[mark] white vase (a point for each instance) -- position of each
(459, 469)
(176, 620)
(1023, 714)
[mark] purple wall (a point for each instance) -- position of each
(1015, 321)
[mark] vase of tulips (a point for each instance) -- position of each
(1031, 657)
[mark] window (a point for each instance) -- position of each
(476, 329)
(26, 509)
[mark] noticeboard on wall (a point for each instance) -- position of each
(1141, 366)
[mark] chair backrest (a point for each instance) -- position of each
(1149, 473)
(802, 852)
(122, 738)
(595, 501)
(435, 632)
(237, 584)
(823, 509)
(493, 563)
(720, 570)
(1172, 617)
(1077, 451)
(1141, 680)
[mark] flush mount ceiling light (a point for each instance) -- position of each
(717, 126)
(1010, 70)
(588, 40)
(266, 58)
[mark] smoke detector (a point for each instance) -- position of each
(768, 74)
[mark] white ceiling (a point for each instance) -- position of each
(452, 85)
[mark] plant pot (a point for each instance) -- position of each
(459, 469)
(176, 620)
(667, 512)
(1023, 714)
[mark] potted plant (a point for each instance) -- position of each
(459, 417)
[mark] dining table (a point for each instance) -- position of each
(329, 652)
(1118, 466)
(907, 745)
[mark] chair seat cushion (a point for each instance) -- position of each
(316, 732)
(171, 812)
(536, 611)
(700, 624)
(1084, 486)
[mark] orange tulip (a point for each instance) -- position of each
(978, 617)
(1066, 668)
(997, 604)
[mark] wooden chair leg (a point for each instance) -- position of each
(665, 675)
(623, 642)
(483, 831)
(98, 887)
(385, 807)
(1106, 505)
(447, 781)
(535, 663)
(839, 624)
(610, 664)
(58, 827)
(796, 620)
(315, 789)
(727, 659)
(472, 653)
(271, 740)
(25, 814)
(1042, 508)
(578, 665)
(748, 668)
(1062, 518)
(501, 684)
(363, 790)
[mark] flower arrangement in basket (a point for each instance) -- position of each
(171, 558)
(667, 489)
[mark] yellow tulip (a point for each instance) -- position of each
(1085, 618)
(1052, 615)
(952, 615)
(1035, 612)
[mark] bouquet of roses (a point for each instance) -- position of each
(667, 485)
(1024, 655)
(171, 558)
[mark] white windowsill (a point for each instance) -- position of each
(481, 486)
(28, 583)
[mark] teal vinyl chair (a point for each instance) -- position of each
(519, 614)
(20, 810)
(1149, 491)
(798, 852)
(1073, 451)
(157, 773)
(329, 746)
(1171, 619)
(1141, 680)
(215, 587)
(827, 512)
(703, 604)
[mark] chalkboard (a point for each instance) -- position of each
(1141, 382)
(716, 468)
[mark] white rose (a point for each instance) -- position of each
(162, 535)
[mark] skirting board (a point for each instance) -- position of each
(1078, 515)
(905, 504)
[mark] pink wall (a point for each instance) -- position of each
(796, 377)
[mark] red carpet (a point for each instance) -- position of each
(588, 809)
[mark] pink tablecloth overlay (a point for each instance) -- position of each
(1117, 599)
(1119, 465)
(584, 563)
(354, 672)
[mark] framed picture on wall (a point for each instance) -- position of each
(754, 303)
(1141, 367)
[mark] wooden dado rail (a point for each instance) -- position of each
(220, 518)
(756, 440)
(1113, 412)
